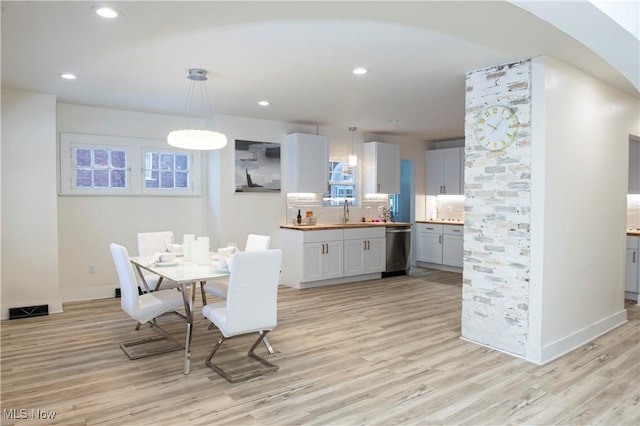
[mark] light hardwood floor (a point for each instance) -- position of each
(380, 352)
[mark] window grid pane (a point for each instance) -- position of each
(167, 170)
(100, 168)
(342, 184)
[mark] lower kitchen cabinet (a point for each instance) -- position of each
(632, 286)
(364, 251)
(429, 242)
(439, 244)
(322, 260)
(452, 253)
(312, 258)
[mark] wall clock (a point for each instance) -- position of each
(496, 127)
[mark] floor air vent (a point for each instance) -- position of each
(28, 311)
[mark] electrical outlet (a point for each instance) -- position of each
(92, 269)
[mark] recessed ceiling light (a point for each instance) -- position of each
(105, 12)
(360, 71)
(264, 103)
(68, 76)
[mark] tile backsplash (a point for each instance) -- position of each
(328, 215)
(441, 207)
(445, 207)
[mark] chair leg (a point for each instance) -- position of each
(126, 347)
(267, 344)
(204, 294)
(245, 375)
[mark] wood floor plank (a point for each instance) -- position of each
(377, 352)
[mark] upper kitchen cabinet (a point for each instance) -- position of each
(307, 159)
(381, 168)
(444, 171)
(634, 166)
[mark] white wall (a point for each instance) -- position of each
(88, 224)
(580, 160)
(29, 211)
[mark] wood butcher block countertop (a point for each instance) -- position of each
(326, 226)
(633, 232)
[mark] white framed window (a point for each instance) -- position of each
(111, 165)
(342, 184)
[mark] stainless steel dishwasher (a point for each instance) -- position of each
(398, 250)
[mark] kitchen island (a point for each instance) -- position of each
(327, 254)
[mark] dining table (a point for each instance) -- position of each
(185, 274)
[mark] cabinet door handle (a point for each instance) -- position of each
(322, 252)
(440, 239)
(368, 244)
(364, 245)
(378, 187)
(634, 256)
(444, 189)
(327, 246)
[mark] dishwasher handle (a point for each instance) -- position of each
(397, 230)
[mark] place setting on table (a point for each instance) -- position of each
(193, 252)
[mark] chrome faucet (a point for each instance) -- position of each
(345, 212)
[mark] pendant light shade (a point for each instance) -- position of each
(197, 139)
(353, 159)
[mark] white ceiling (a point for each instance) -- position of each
(298, 55)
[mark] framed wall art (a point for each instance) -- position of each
(257, 167)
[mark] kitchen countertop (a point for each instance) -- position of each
(442, 222)
(325, 226)
(633, 232)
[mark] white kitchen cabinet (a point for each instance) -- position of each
(311, 256)
(444, 171)
(452, 253)
(429, 242)
(364, 251)
(632, 286)
(322, 261)
(634, 167)
(306, 159)
(381, 168)
(440, 244)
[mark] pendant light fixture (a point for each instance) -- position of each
(197, 139)
(353, 159)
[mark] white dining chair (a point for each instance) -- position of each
(149, 244)
(144, 308)
(218, 288)
(251, 307)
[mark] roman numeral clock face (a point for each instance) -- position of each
(496, 127)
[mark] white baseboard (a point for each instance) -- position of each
(568, 343)
(439, 266)
(90, 293)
